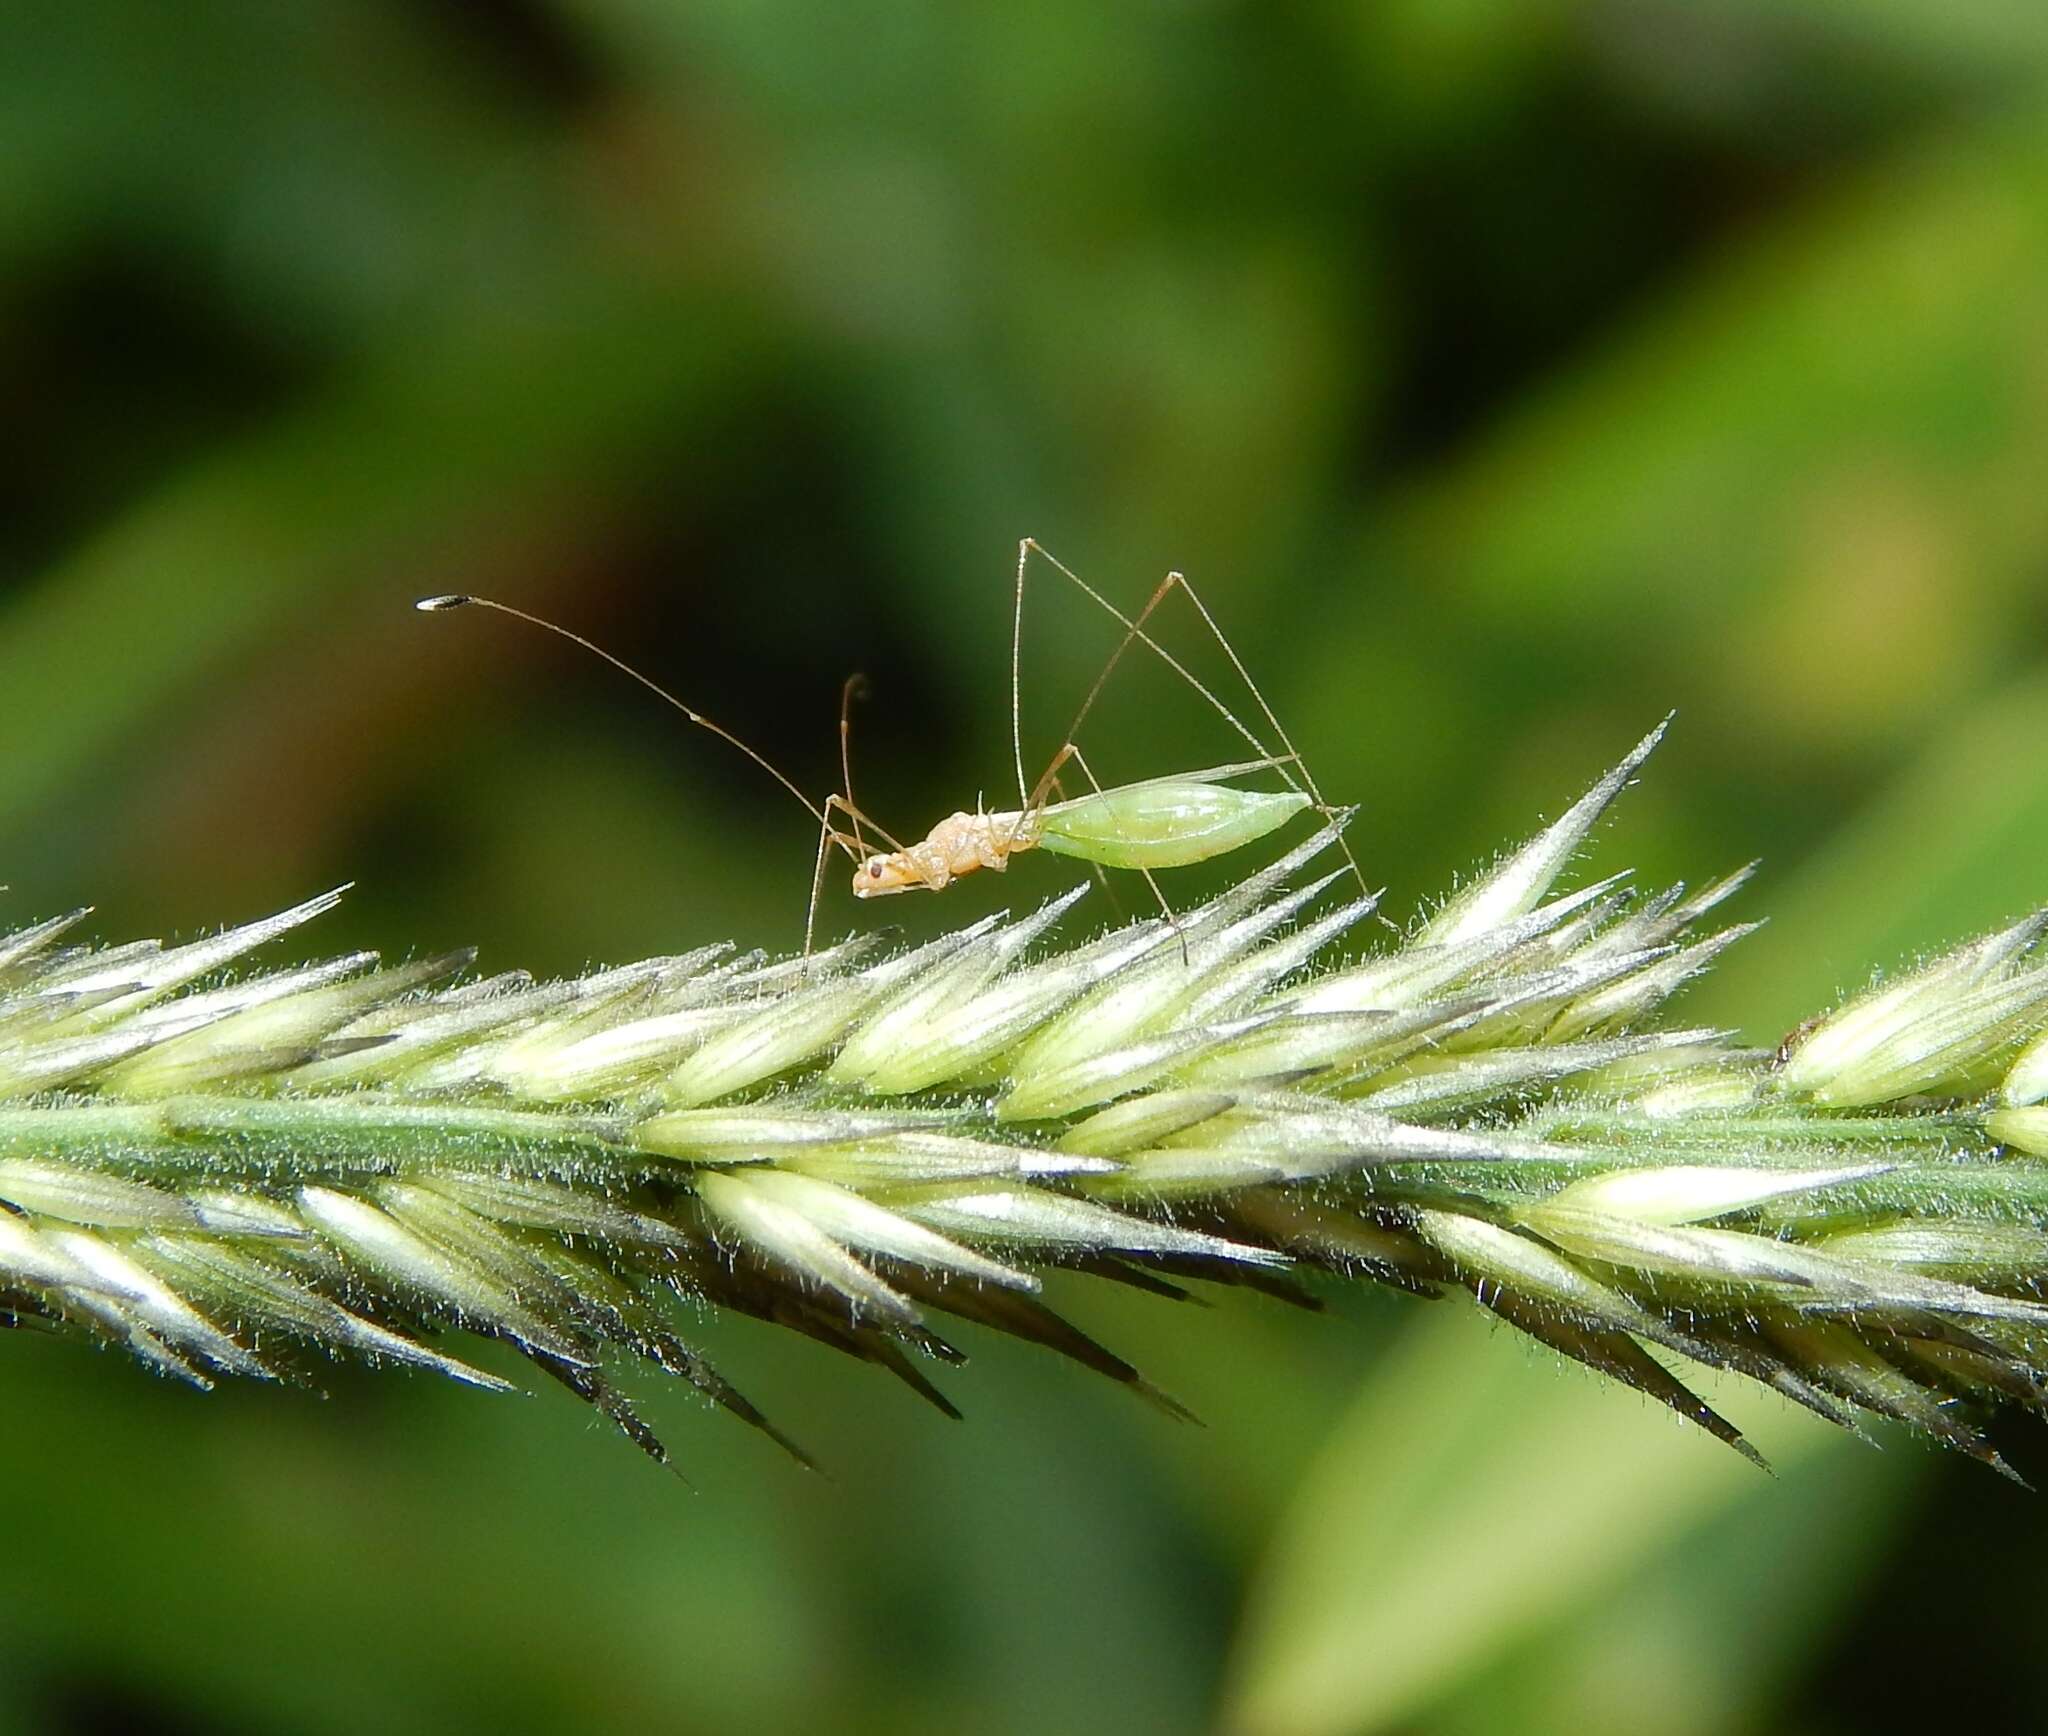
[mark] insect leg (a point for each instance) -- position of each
(1293, 753)
(817, 891)
(1033, 799)
(856, 688)
(1024, 549)
(1072, 752)
(854, 848)
(855, 685)
(1135, 633)
(1096, 868)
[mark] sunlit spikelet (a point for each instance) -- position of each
(220, 1169)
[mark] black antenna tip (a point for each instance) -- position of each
(433, 605)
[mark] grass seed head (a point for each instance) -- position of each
(220, 1171)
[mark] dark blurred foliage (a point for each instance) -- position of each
(1505, 373)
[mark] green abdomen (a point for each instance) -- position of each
(1165, 823)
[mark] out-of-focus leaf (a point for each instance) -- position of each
(1704, 458)
(240, 137)
(1476, 1494)
(1700, 1638)
(2000, 40)
(427, 444)
(1955, 844)
(1464, 1509)
(1800, 503)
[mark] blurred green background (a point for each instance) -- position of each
(1506, 373)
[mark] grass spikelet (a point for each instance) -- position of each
(220, 1168)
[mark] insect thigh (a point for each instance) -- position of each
(1164, 823)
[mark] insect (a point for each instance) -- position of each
(1164, 822)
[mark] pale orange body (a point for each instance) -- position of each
(957, 845)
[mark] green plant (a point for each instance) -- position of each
(210, 1170)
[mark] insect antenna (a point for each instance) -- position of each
(856, 686)
(463, 600)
